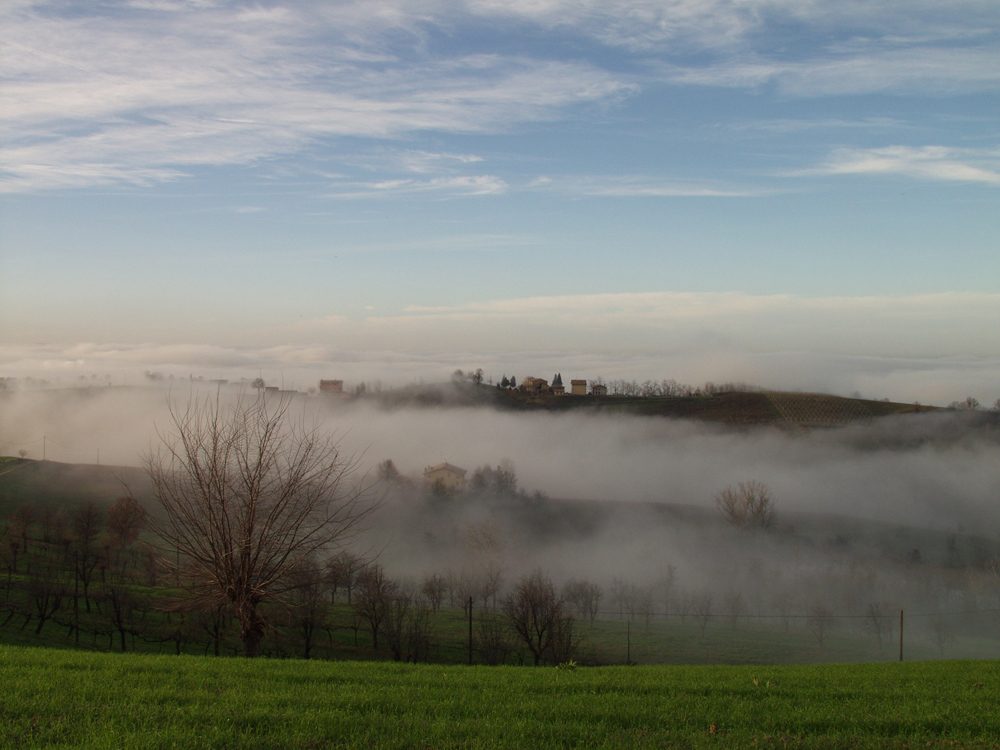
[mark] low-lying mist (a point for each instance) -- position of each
(898, 511)
(938, 470)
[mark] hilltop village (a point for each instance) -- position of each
(530, 385)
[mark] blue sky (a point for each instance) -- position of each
(703, 188)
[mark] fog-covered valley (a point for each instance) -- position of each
(895, 513)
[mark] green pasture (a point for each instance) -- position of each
(86, 700)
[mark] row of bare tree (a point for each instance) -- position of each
(669, 388)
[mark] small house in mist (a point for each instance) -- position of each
(445, 476)
(331, 386)
(599, 390)
(578, 387)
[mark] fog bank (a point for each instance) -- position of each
(928, 379)
(934, 470)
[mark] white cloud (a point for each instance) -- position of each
(424, 162)
(927, 162)
(739, 25)
(463, 185)
(143, 92)
(638, 186)
(958, 324)
(126, 97)
(934, 71)
(644, 324)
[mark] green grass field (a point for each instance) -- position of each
(87, 700)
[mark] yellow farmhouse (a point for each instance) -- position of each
(446, 476)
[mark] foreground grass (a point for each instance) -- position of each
(87, 700)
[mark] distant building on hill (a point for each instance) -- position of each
(535, 386)
(599, 389)
(578, 387)
(445, 476)
(332, 388)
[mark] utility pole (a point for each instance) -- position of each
(43, 447)
(901, 635)
(76, 597)
(628, 642)
(470, 631)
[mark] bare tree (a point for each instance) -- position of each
(685, 604)
(747, 506)
(394, 624)
(563, 644)
(584, 596)
(819, 621)
(374, 598)
(703, 610)
(465, 587)
(490, 584)
(86, 527)
(434, 588)
(124, 522)
(734, 606)
(308, 610)
(644, 603)
(122, 606)
(500, 481)
(246, 496)
(782, 603)
(538, 616)
(45, 591)
(878, 622)
(665, 587)
(343, 569)
(493, 643)
(20, 523)
(620, 595)
(941, 632)
(418, 634)
(213, 623)
(11, 544)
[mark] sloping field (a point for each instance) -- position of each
(82, 700)
(737, 408)
(819, 410)
(51, 483)
(823, 410)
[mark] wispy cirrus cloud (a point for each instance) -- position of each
(454, 186)
(925, 162)
(146, 91)
(142, 95)
(639, 186)
(935, 71)
(423, 162)
(735, 28)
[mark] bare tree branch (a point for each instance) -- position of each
(247, 495)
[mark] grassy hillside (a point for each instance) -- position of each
(50, 484)
(72, 699)
(738, 408)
